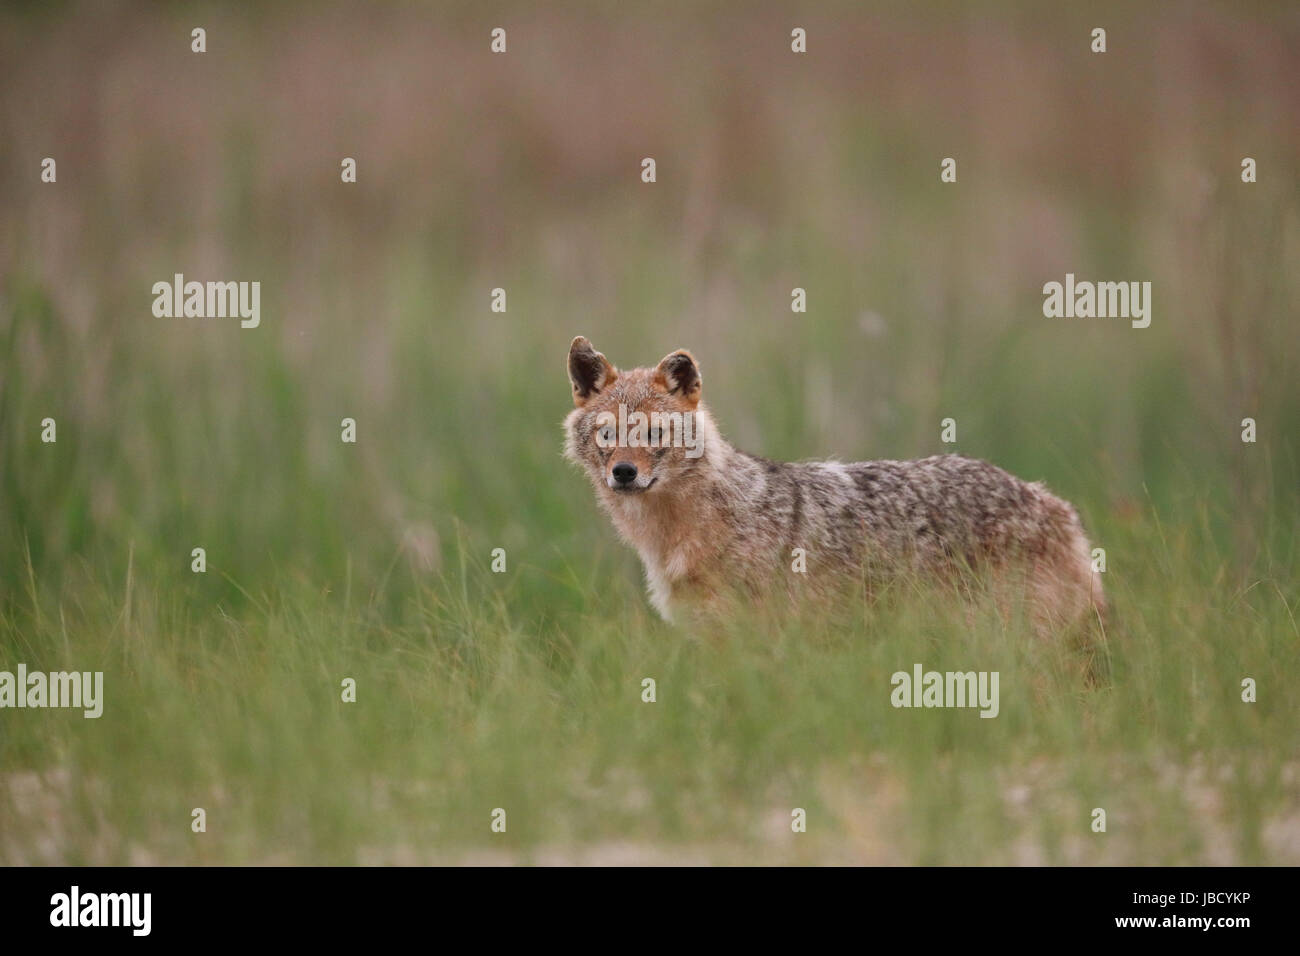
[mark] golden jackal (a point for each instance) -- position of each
(709, 520)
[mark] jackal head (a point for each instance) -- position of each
(637, 430)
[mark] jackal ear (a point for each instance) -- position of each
(679, 375)
(589, 371)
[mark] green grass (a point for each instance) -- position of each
(522, 690)
(473, 695)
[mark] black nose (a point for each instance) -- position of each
(624, 472)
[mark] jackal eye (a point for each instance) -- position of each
(656, 435)
(605, 435)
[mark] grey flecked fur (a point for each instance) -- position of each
(727, 523)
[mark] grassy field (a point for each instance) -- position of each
(522, 690)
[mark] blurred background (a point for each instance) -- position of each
(522, 171)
